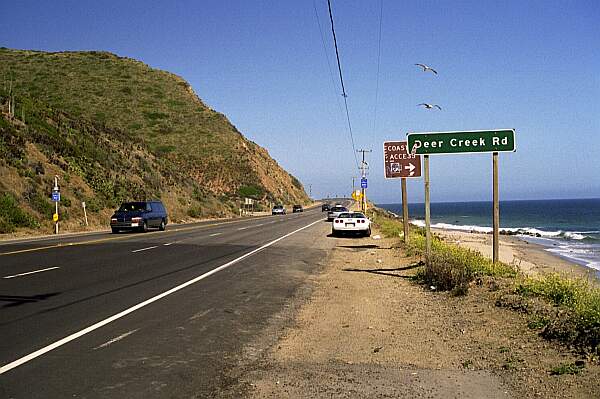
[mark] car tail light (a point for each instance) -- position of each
(338, 221)
(113, 219)
(360, 221)
(136, 219)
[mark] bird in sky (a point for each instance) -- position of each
(430, 106)
(427, 68)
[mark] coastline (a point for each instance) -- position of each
(529, 257)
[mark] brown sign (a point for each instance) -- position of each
(398, 162)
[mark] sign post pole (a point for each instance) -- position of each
(404, 209)
(55, 216)
(427, 212)
(496, 210)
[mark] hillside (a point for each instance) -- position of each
(114, 129)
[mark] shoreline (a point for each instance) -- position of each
(530, 258)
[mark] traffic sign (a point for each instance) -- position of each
(55, 217)
(357, 195)
(475, 141)
(363, 183)
(55, 196)
(398, 162)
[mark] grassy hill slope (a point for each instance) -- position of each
(114, 129)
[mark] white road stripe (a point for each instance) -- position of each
(112, 341)
(242, 228)
(258, 225)
(32, 272)
(74, 336)
(169, 243)
(215, 234)
(145, 249)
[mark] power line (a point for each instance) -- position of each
(337, 54)
(378, 66)
(333, 85)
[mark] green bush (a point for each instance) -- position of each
(250, 191)
(12, 216)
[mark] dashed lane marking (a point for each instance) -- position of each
(32, 272)
(145, 249)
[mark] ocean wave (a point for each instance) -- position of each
(525, 231)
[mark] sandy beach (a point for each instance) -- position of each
(530, 258)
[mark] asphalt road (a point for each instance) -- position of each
(161, 314)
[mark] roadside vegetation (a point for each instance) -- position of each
(562, 308)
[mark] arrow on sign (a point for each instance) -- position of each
(411, 168)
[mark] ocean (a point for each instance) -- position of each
(567, 228)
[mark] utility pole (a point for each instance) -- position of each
(363, 172)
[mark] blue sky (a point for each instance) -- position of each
(529, 65)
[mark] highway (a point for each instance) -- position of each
(160, 314)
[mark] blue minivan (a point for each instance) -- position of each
(139, 215)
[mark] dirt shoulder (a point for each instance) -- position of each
(369, 331)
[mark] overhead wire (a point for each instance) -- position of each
(337, 54)
(333, 85)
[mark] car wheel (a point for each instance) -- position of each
(334, 233)
(368, 233)
(145, 226)
(115, 231)
(162, 226)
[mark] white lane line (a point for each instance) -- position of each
(169, 243)
(242, 228)
(258, 225)
(215, 234)
(74, 336)
(145, 249)
(112, 341)
(32, 272)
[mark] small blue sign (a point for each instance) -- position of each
(363, 183)
(55, 196)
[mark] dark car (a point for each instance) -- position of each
(325, 207)
(297, 208)
(139, 215)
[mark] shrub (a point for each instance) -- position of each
(12, 216)
(250, 191)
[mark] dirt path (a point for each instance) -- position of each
(368, 331)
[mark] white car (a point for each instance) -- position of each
(351, 222)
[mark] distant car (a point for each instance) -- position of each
(335, 212)
(139, 215)
(297, 208)
(278, 210)
(351, 222)
(325, 207)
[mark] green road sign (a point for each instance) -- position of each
(475, 141)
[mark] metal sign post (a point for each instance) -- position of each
(427, 212)
(496, 211)
(404, 210)
(56, 199)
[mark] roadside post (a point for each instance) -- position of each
(363, 197)
(465, 142)
(84, 213)
(55, 199)
(398, 162)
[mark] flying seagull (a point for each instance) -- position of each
(430, 106)
(427, 68)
